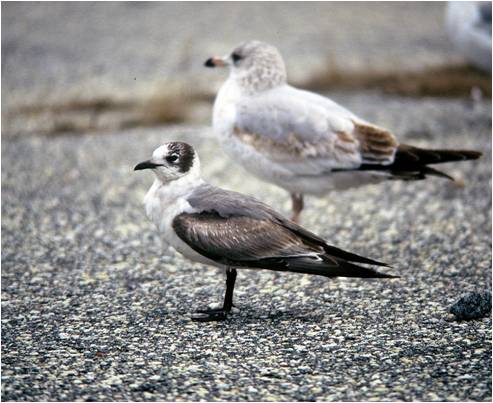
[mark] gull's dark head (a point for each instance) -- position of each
(256, 63)
(172, 161)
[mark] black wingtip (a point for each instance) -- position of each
(344, 268)
(352, 257)
(435, 172)
(473, 155)
(348, 269)
(460, 155)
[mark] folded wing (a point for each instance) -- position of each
(239, 231)
(310, 134)
(239, 241)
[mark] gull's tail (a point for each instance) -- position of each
(412, 162)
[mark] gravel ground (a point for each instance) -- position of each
(95, 307)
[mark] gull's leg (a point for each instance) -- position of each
(297, 199)
(230, 286)
(218, 314)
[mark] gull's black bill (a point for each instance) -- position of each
(146, 165)
(209, 63)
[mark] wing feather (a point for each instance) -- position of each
(237, 230)
(308, 133)
(238, 240)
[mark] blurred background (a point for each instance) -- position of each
(77, 67)
(95, 307)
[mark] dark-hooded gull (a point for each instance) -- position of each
(233, 231)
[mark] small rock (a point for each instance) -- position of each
(474, 305)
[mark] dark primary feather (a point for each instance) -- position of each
(411, 162)
(240, 231)
(326, 267)
(407, 155)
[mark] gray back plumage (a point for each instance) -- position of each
(227, 203)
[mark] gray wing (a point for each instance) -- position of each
(308, 133)
(238, 230)
(239, 240)
(226, 203)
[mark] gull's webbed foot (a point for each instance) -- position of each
(219, 314)
(210, 315)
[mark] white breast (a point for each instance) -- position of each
(224, 112)
(224, 120)
(162, 204)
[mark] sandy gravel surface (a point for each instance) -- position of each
(95, 307)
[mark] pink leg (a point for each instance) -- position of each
(297, 199)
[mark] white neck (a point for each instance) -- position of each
(182, 185)
(165, 200)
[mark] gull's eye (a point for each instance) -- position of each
(172, 158)
(236, 57)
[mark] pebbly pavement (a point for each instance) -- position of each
(96, 307)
